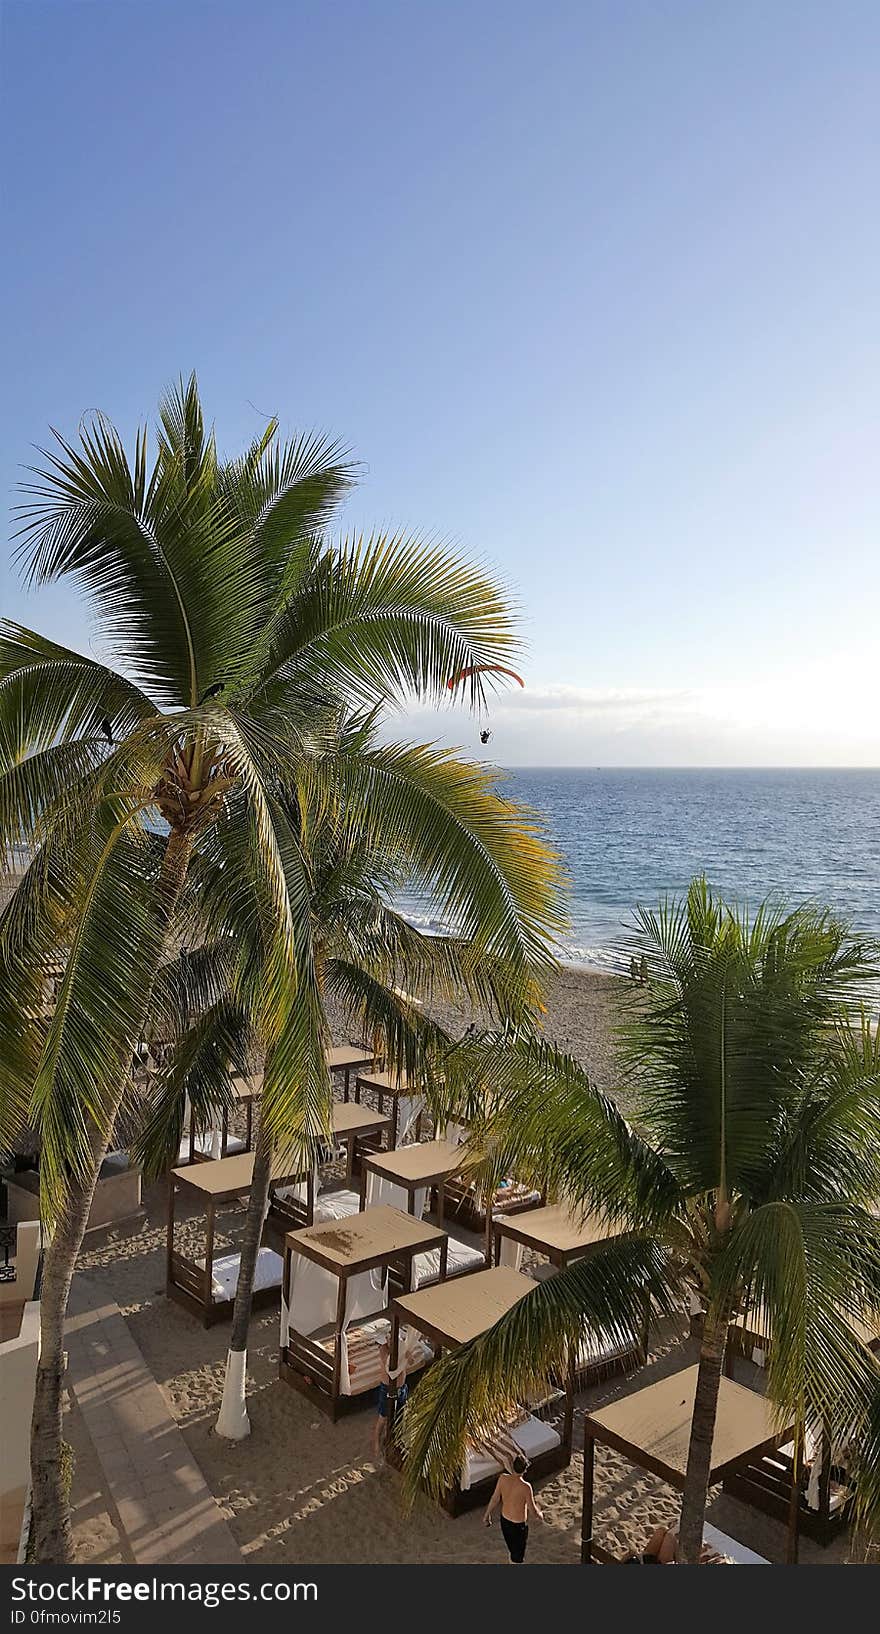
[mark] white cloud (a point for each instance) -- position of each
(822, 713)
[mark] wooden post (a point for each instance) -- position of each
(169, 1247)
(794, 1505)
(487, 1251)
(337, 1348)
(391, 1409)
(441, 1200)
(587, 1506)
(646, 1330)
(393, 1131)
(363, 1187)
(825, 1476)
(192, 1136)
(285, 1296)
(209, 1256)
(568, 1422)
(224, 1132)
(346, 1078)
(249, 1137)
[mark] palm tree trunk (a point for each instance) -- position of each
(50, 1523)
(699, 1464)
(51, 1536)
(232, 1420)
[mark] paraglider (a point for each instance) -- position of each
(483, 669)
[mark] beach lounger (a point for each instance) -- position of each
(735, 1552)
(338, 1276)
(224, 1274)
(361, 1369)
(461, 1259)
(530, 1436)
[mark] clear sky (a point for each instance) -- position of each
(591, 288)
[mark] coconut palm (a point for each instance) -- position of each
(746, 1178)
(370, 961)
(229, 623)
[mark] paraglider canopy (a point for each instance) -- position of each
(483, 669)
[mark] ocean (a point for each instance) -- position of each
(632, 836)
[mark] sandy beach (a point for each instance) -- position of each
(302, 1490)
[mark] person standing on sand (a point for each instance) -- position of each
(380, 1423)
(516, 1500)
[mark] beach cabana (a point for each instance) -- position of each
(405, 1178)
(359, 1129)
(405, 1101)
(348, 1058)
(206, 1287)
(561, 1238)
(338, 1277)
(474, 1208)
(652, 1428)
(300, 1204)
(214, 1144)
(824, 1488)
(449, 1315)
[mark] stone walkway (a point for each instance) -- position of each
(166, 1512)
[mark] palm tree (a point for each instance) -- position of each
(746, 1178)
(369, 959)
(230, 624)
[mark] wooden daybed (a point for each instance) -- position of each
(393, 1088)
(449, 1315)
(652, 1429)
(207, 1287)
(338, 1277)
(210, 1145)
(825, 1492)
(405, 1178)
(347, 1058)
(562, 1238)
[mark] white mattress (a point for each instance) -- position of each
(460, 1257)
(224, 1280)
(737, 1552)
(204, 1144)
(600, 1347)
(336, 1205)
(533, 1438)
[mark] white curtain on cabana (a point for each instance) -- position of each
(298, 1190)
(313, 1295)
(383, 1191)
(409, 1110)
(510, 1253)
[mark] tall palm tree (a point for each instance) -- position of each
(746, 1178)
(230, 622)
(368, 957)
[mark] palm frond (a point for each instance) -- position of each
(474, 1388)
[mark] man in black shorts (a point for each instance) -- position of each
(513, 1495)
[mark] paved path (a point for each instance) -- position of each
(166, 1512)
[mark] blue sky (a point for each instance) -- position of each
(591, 289)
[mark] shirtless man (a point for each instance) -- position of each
(516, 1500)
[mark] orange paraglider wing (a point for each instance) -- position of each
(483, 669)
